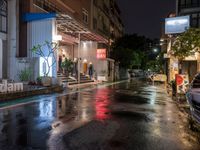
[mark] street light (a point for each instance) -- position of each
(155, 50)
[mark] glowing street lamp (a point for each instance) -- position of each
(155, 50)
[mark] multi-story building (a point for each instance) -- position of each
(191, 8)
(107, 22)
(84, 26)
(189, 65)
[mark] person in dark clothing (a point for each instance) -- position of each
(91, 70)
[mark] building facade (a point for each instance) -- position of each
(191, 8)
(80, 28)
(189, 65)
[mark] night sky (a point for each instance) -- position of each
(145, 16)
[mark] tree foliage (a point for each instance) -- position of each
(129, 50)
(187, 43)
(67, 65)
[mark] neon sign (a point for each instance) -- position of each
(101, 53)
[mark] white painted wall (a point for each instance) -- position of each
(11, 37)
(88, 51)
(39, 32)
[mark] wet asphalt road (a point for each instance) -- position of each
(132, 115)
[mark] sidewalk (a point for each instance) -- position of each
(185, 114)
(30, 91)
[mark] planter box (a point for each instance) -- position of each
(102, 78)
(46, 81)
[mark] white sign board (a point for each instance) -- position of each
(176, 25)
(6, 87)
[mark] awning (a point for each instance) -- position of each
(68, 25)
(28, 17)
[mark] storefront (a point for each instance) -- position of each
(75, 42)
(188, 66)
(78, 43)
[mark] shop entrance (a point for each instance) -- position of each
(85, 68)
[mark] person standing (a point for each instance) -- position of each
(90, 70)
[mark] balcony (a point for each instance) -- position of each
(46, 5)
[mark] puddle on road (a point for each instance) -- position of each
(136, 116)
(122, 98)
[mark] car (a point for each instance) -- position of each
(136, 73)
(193, 97)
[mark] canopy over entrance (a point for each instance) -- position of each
(68, 25)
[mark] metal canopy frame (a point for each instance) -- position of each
(68, 25)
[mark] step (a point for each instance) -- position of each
(81, 82)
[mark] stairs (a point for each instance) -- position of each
(64, 79)
(72, 81)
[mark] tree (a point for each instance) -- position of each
(130, 50)
(137, 59)
(124, 56)
(46, 50)
(187, 43)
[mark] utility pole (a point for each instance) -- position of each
(79, 48)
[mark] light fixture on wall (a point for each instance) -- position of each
(57, 37)
(85, 60)
(84, 44)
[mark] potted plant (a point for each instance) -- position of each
(25, 75)
(39, 81)
(67, 66)
(46, 50)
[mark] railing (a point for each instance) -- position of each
(46, 5)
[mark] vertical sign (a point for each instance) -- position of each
(101, 53)
(182, 82)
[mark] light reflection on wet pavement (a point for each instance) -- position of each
(129, 115)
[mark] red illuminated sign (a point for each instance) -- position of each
(101, 53)
(179, 80)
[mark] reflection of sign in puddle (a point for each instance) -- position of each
(10, 87)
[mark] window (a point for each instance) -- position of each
(94, 23)
(3, 16)
(85, 16)
(195, 20)
(188, 3)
